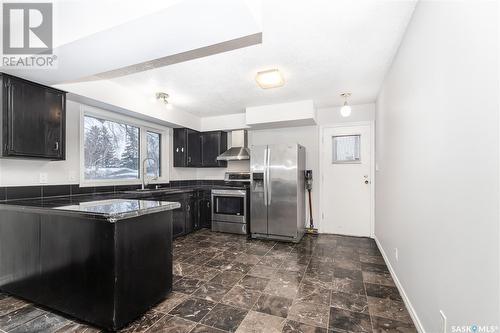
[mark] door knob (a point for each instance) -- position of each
(367, 182)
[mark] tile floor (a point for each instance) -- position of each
(227, 283)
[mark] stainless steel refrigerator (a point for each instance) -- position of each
(277, 196)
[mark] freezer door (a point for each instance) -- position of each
(258, 190)
(282, 190)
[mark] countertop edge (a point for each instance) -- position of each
(113, 218)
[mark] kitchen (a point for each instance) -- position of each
(278, 176)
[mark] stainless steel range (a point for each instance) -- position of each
(230, 206)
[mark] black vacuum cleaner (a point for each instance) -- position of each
(308, 175)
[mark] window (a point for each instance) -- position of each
(346, 149)
(114, 149)
(153, 164)
(111, 150)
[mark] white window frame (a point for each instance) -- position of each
(334, 152)
(144, 127)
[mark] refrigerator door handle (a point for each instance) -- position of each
(269, 192)
(265, 177)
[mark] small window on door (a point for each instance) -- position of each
(346, 149)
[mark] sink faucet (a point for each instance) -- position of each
(145, 172)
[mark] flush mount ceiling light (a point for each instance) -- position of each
(345, 110)
(271, 78)
(163, 97)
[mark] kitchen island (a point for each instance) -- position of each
(104, 261)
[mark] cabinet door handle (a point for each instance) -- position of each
(182, 149)
(56, 146)
(208, 204)
(188, 208)
(177, 150)
(189, 159)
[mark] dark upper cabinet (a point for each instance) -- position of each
(212, 145)
(187, 148)
(33, 119)
(180, 147)
(195, 149)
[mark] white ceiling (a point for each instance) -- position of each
(155, 34)
(323, 47)
(77, 19)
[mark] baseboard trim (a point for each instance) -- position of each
(406, 300)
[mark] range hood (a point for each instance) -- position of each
(238, 150)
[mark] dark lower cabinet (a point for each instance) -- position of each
(178, 215)
(89, 269)
(191, 212)
(194, 213)
(32, 119)
(205, 210)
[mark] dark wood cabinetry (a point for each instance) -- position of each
(204, 209)
(178, 215)
(180, 147)
(212, 145)
(193, 148)
(192, 218)
(198, 149)
(193, 214)
(33, 119)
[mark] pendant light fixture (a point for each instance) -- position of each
(345, 111)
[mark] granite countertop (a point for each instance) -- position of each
(119, 209)
(111, 207)
(108, 208)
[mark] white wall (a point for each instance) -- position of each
(437, 196)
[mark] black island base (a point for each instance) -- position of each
(105, 266)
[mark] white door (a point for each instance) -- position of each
(346, 180)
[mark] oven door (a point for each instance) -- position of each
(229, 206)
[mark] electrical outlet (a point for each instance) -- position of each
(43, 178)
(396, 254)
(444, 324)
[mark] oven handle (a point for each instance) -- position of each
(229, 193)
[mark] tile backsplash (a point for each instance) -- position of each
(37, 191)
